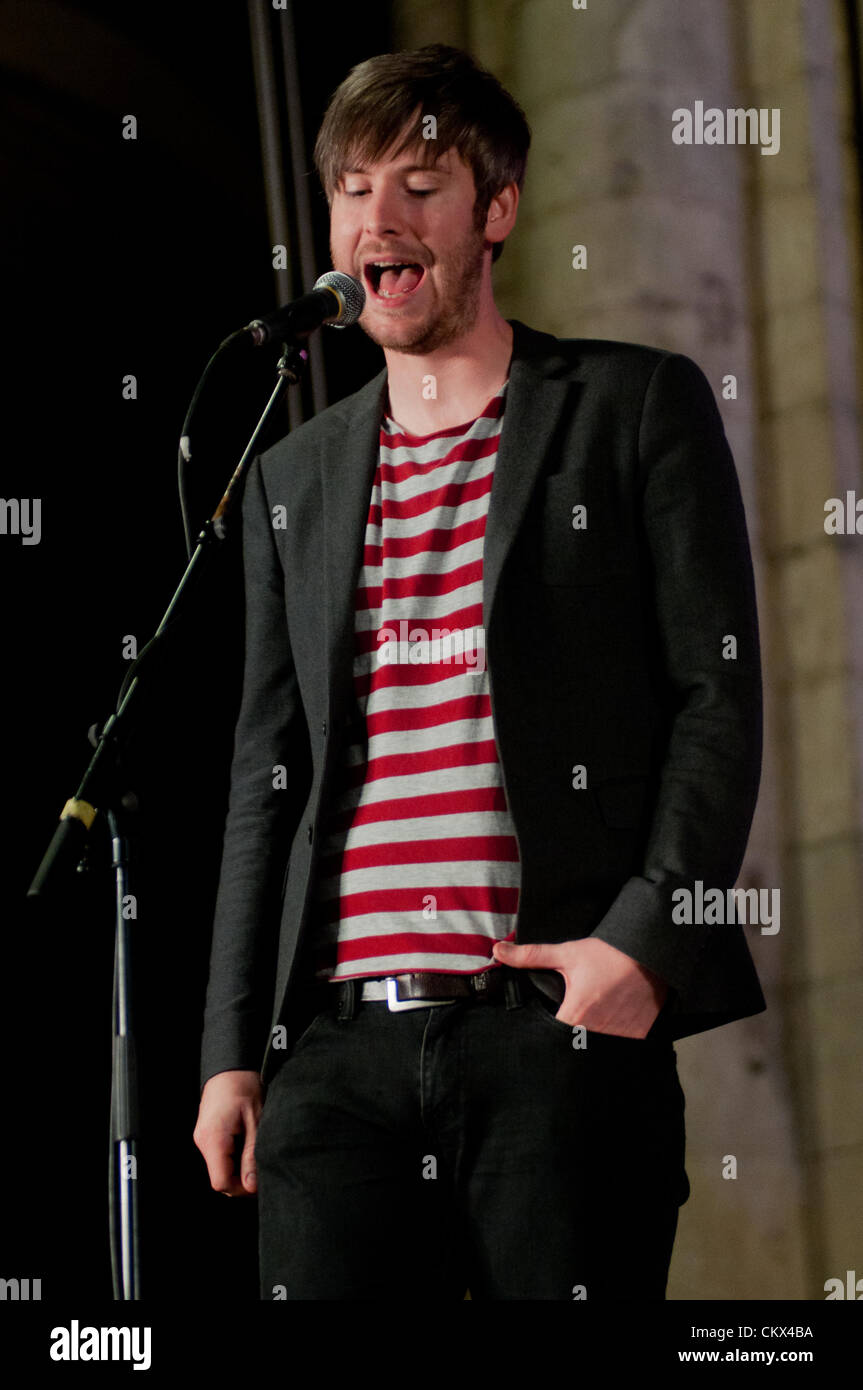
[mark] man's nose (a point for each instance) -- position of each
(383, 214)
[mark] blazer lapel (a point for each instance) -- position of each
(534, 402)
(349, 458)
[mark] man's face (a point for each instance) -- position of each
(399, 213)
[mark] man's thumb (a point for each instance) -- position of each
(531, 956)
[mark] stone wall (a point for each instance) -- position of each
(749, 263)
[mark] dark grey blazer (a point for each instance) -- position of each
(605, 648)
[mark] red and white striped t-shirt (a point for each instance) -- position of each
(419, 863)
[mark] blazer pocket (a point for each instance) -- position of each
(622, 801)
(578, 543)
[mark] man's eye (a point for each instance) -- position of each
(415, 192)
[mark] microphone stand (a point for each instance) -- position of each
(100, 787)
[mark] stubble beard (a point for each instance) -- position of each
(454, 318)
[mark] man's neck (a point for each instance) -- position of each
(452, 385)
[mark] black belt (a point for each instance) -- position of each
(418, 990)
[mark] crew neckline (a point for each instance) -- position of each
(450, 429)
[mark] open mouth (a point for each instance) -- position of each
(393, 279)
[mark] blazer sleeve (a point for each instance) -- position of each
(263, 810)
(706, 628)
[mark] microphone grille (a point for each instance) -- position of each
(351, 292)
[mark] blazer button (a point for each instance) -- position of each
(324, 728)
(309, 832)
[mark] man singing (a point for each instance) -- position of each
(502, 698)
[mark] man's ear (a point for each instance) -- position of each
(500, 218)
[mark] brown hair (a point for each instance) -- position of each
(474, 114)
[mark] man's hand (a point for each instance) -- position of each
(231, 1103)
(606, 990)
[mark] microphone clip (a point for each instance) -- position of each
(292, 362)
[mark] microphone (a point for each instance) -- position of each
(337, 299)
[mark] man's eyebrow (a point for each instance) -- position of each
(409, 169)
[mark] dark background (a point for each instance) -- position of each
(129, 257)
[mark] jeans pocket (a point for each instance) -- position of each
(310, 1030)
(546, 1009)
(611, 1044)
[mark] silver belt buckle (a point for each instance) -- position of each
(395, 1005)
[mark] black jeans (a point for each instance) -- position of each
(469, 1146)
